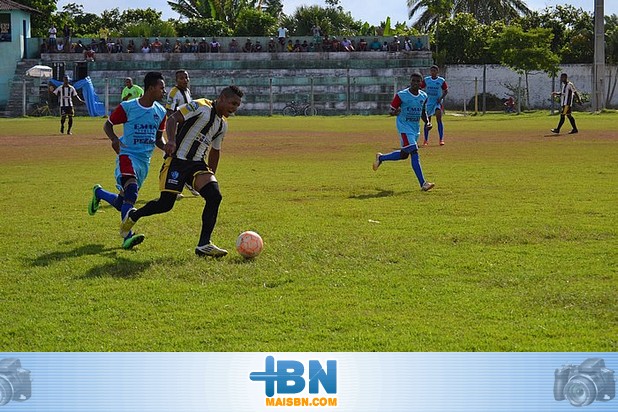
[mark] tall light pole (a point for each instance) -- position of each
(598, 68)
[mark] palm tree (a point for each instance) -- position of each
(485, 12)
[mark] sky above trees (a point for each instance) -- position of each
(366, 10)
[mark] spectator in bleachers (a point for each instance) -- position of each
(362, 45)
(335, 45)
(407, 44)
(102, 46)
(52, 45)
(257, 47)
(186, 47)
(394, 45)
(385, 46)
(419, 45)
(272, 46)
(60, 47)
(119, 45)
(203, 46)
(346, 45)
(157, 46)
(304, 47)
(290, 46)
(375, 45)
(131, 46)
(67, 38)
(195, 47)
(145, 47)
(297, 48)
(282, 32)
(177, 46)
(215, 46)
(248, 47)
(317, 43)
(79, 47)
(89, 54)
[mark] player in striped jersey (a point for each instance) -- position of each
(195, 129)
(567, 97)
(65, 93)
(179, 95)
(436, 89)
(409, 107)
(143, 121)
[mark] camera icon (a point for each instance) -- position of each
(15, 382)
(583, 384)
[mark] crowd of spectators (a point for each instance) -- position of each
(317, 43)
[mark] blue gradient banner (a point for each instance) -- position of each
(229, 382)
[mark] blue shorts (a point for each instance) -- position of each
(408, 141)
(127, 165)
(432, 106)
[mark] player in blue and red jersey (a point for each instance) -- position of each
(436, 89)
(409, 107)
(143, 121)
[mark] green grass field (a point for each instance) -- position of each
(516, 248)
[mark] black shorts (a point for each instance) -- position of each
(66, 111)
(176, 172)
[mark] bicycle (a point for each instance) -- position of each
(294, 108)
(40, 110)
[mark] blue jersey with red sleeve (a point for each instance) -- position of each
(412, 106)
(141, 125)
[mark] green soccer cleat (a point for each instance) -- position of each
(93, 206)
(132, 241)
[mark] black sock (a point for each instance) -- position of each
(163, 204)
(212, 195)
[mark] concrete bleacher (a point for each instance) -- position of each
(336, 82)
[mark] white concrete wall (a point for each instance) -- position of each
(460, 79)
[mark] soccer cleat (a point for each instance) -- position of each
(441, 142)
(210, 250)
(555, 131)
(192, 190)
(93, 206)
(132, 241)
(69, 131)
(427, 186)
(377, 162)
(574, 131)
(127, 223)
(179, 196)
(62, 129)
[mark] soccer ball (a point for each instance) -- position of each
(249, 244)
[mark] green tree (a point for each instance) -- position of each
(40, 23)
(524, 51)
(432, 11)
(203, 28)
(253, 22)
(464, 40)
(333, 21)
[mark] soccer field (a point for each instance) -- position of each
(515, 249)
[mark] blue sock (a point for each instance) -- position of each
(118, 203)
(109, 197)
(416, 166)
(441, 129)
(396, 155)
